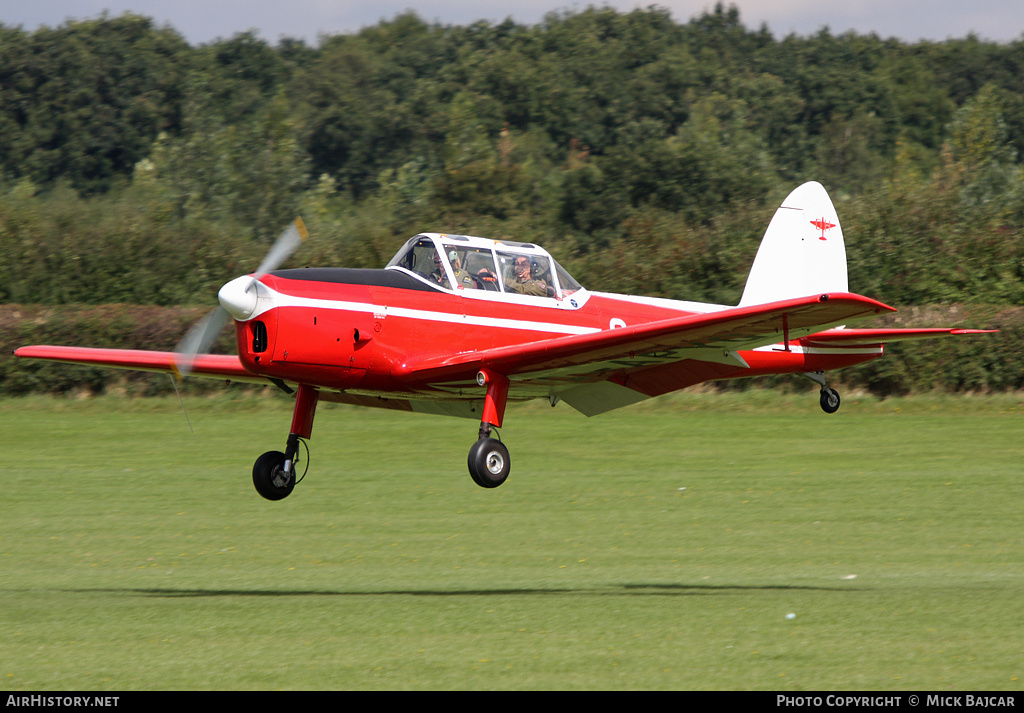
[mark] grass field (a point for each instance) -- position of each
(738, 541)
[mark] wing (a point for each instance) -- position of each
(714, 337)
(214, 366)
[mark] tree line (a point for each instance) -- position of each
(647, 154)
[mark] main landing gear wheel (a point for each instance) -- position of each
(489, 462)
(270, 478)
(829, 400)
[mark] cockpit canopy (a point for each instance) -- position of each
(461, 262)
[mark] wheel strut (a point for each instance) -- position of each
(302, 422)
(290, 452)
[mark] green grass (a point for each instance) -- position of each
(661, 546)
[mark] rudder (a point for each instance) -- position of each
(802, 252)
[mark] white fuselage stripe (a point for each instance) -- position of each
(664, 303)
(479, 321)
(269, 299)
(278, 299)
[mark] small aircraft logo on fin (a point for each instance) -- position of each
(822, 225)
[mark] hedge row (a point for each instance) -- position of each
(120, 326)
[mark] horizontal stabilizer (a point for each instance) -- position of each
(866, 337)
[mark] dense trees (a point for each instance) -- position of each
(85, 101)
(647, 153)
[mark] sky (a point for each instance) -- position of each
(202, 21)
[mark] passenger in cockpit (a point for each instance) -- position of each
(462, 278)
(439, 276)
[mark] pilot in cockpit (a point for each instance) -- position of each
(523, 281)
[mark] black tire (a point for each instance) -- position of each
(829, 400)
(269, 468)
(489, 463)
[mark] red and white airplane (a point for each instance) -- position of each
(459, 326)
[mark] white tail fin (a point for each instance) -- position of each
(802, 252)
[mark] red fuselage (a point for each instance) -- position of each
(356, 330)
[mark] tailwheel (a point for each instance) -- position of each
(489, 462)
(829, 400)
(272, 480)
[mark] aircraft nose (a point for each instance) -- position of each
(239, 297)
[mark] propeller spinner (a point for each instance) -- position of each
(237, 298)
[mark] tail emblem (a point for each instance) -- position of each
(822, 225)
